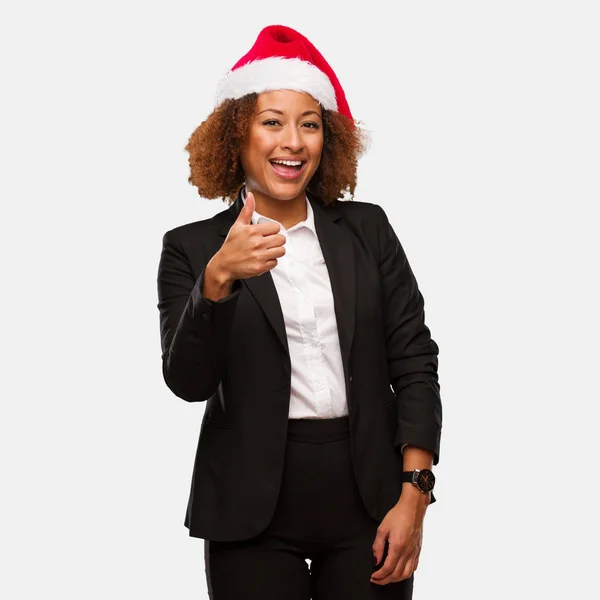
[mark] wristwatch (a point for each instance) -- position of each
(423, 479)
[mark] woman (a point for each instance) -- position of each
(297, 319)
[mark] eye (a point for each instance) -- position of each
(312, 125)
(271, 122)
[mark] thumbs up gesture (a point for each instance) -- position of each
(250, 250)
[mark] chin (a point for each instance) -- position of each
(285, 191)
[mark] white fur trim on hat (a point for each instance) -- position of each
(277, 73)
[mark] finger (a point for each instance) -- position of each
(416, 562)
(398, 574)
(273, 253)
(410, 568)
(379, 546)
(389, 565)
(268, 229)
(276, 240)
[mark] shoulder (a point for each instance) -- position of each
(366, 217)
(357, 209)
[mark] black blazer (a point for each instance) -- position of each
(233, 355)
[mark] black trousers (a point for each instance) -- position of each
(319, 516)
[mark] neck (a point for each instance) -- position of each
(287, 212)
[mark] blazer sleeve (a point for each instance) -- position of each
(194, 330)
(411, 352)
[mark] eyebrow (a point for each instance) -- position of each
(308, 112)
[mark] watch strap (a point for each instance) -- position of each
(408, 476)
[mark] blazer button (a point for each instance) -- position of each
(206, 317)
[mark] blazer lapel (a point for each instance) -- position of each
(338, 252)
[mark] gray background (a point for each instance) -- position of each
(485, 125)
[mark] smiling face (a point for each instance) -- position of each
(283, 147)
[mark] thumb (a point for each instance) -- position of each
(247, 211)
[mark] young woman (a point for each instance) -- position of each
(296, 317)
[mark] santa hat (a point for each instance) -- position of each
(283, 59)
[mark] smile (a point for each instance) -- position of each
(288, 169)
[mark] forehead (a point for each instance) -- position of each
(287, 101)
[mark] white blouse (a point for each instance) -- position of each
(318, 389)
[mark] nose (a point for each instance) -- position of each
(291, 139)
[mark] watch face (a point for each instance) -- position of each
(425, 480)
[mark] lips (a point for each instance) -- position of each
(288, 172)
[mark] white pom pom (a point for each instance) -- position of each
(365, 138)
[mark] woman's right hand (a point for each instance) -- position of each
(249, 250)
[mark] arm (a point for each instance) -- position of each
(412, 353)
(412, 366)
(194, 330)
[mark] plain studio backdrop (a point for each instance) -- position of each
(485, 124)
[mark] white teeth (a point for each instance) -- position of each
(289, 163)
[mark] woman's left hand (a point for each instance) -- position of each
(402, 527)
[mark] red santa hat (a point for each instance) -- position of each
(283, 59)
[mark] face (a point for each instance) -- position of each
(287, 127)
